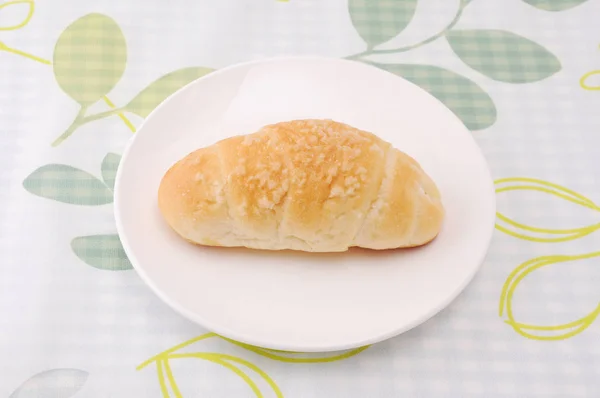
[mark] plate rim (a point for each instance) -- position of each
(226, 332)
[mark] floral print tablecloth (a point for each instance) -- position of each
(78, 77)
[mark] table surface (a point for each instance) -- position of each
(77, 78)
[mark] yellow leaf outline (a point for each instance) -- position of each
(162, 361)
(583, 78)
(277, 354)
(27, 18)
(517, 275)
(224, 359)
(169, 372)
(584, 85)
(520, 230)
(228, 361)
(161, 378)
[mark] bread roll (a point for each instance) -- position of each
(309, 185)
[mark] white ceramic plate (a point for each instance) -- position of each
(300, 301)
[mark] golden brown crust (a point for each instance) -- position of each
(311, 185)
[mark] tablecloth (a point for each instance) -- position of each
(78, 77)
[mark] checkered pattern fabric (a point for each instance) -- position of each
(68, 184)
(502, 55)
(473, 105)
(89, 58)
(391, 16)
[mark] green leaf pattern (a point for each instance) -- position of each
(109, 167)
(378, 21)
(68, 184)
(102, 252)
(503, 56)
(462, 96)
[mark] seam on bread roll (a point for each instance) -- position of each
(227, 194)
(418, 203)
(372, 204)
(362, 237)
